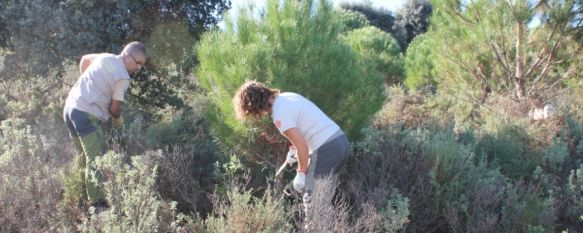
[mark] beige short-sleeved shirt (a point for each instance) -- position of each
(105, 79)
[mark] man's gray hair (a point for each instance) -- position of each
(135, 49)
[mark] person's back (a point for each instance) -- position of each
(293, 110)
(95, 88)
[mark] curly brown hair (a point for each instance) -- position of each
(252, 99)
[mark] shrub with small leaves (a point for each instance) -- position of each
(29, 187)
(130, 189)
(243, 213)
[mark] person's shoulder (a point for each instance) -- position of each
(112, 59)
(108, 56)
(101, 57)
(291, 95)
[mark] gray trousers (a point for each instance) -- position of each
(325, 163)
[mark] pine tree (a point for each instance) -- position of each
(293, 47)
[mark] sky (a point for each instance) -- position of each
(391, 5)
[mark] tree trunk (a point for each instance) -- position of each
(519, 73)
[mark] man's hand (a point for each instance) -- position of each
(300, 181)
(117, 122)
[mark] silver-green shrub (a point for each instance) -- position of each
(241, 212)
(135, 205)
(29, 187)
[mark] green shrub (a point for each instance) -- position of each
(525, 209)
(507, 148)
(351, 20)
(387, 182)
(187, 174)
(418, 64)
(29, 187)
(403, 108)
(379, 50)
(241, 212)
(574, 197)
(395, 212)
(130, 190)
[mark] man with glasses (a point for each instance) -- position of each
(96, 97)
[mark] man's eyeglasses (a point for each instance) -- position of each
(136, 61)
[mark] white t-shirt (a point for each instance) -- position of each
(292, 110)
(106, 78)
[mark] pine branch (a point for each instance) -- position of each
(503, 62)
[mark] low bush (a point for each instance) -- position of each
(29, 192)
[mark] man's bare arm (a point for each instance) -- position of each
(115, 108)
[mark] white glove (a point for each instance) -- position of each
(292, 156)
(300, 182)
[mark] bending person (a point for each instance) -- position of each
(97, 96)
(322, 147)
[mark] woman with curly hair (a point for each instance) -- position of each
(322, 147)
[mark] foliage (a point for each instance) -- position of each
(574, 196)
(43, 38)
(188, 152)
(411, 20)
(507, 149)
(419, 64)
(186, 176)
(419, 165)
(241, 212)
(351, 20)
(403, 108)
(379, 50)
(130, 190)
(395, 212)
(294, 47)
(29, 191)
(38, 36)
(380, 18)
(487, 46)
(464, 183)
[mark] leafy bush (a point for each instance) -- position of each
(418, 64)
(241, 212)
(404, 108)
(187, 175)
(135, 203)
(29, 191)
(351, 20)
(387, 178)
(525, 208)
(574, 197)
(379, 50)
(508, 150)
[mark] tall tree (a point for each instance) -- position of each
(496, 45)
(38, 36)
